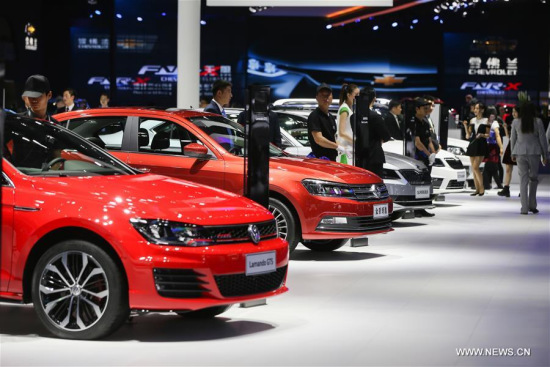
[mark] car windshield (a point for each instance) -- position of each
(40, 148)
(228, 134)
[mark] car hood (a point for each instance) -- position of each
(404, 162)
(322, 170)
(151, 196)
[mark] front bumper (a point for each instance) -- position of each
(184, 278)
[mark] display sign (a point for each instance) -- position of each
(261, 263)
(380, 211)
(492, 66)
(31, 39)
(422, 192)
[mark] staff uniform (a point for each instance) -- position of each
(326, 124)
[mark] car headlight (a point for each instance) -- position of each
(327, 188)
(389, 174)
(165, 232)
(456, 150)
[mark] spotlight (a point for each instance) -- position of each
(203, 22)
(329, 26)
(436, 17)
(163, 14)
(252, 9)
(139, 19)
(119, 16)
(394, 24)
(415, 21)
(98, 12)
(375, 28)
(357, 20)
(441, 21)
(91, 16)
(411, 27)
(437, 10)
(464, 14)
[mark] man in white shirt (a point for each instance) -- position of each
(69, 95)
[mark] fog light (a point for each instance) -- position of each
(334, 220)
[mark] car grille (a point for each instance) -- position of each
(237, 285)
(408, 200)
(454, 163)
(357, 224)
(415, 177)
(239, 233)
(454, 184)
(436, 182)
(179, 283)
(364, 192)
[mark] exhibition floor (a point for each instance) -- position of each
(477, 275)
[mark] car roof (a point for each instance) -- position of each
(185, 113)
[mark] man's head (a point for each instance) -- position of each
(370, 95)
(422, 107)
(395, 107)
(430, 99)
(38, 92)
(221, 91)
(69, 95)
(104, 100)
(324, 97)
(468, 98)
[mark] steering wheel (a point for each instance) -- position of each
(52, 162)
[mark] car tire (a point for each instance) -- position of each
(324, 245)
(286, 224)
(397, 215)
(79, 292)
(205, 313)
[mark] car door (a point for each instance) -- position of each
(8, 197)
(160, 149)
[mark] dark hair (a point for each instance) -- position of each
(483, 107)
(220, 85)
(370, 93)
(346, 89)
(393, 103)
(429, 98)
(527, 116)
(104, 94)
(71, 91)
(491, 110)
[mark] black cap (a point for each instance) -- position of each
(36, 85)
(419, 102)
(324, 86)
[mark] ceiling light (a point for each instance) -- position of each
(203, 22)
(139, 19)
(394, 24)
(329, 26)
(375, 28)
(119, 16)
(415, 21)
(98, 12)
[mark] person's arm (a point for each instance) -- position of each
(322, 141)
(499, 140)
(543, 141)
(342, 127)
(469, 130)
(513, 141)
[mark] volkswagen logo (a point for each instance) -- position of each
(254, 233)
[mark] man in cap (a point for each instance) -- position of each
(321, 126)
(37, 92)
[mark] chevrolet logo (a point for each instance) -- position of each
(389, 79)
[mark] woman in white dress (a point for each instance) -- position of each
(344, 133)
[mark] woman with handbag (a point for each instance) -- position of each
(478, 150)
(529, 146)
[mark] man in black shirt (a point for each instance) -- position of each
(425, 150)
(394, 120)
(37, 93)
(321, 126)
(369, 152)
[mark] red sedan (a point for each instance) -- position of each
(87, 238)
(317, 202)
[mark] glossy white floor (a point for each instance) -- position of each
(474, 276)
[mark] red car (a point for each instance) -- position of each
(87, 238)
(317, 202)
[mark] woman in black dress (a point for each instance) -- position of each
(477, 150)
(507, 158)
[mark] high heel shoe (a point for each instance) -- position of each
(474, 194)
(481, 194)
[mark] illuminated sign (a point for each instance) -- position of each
(209, 74)
(491, 88)
(493, 66)
(31, 40)
(389, 79)
(93, 43)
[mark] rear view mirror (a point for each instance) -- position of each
(195, 150)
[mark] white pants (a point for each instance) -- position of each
(528, 169)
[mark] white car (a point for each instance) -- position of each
(458, 147)
(448, 173)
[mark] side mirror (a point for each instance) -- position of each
(195, 150)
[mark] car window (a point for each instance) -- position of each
(106, 132)
(5, 181)
(296, 126)
(164, 137)
(40, 148)
(228, 134)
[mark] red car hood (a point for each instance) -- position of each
(324, 170)
(153, 196)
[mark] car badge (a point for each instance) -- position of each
(254, 233)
